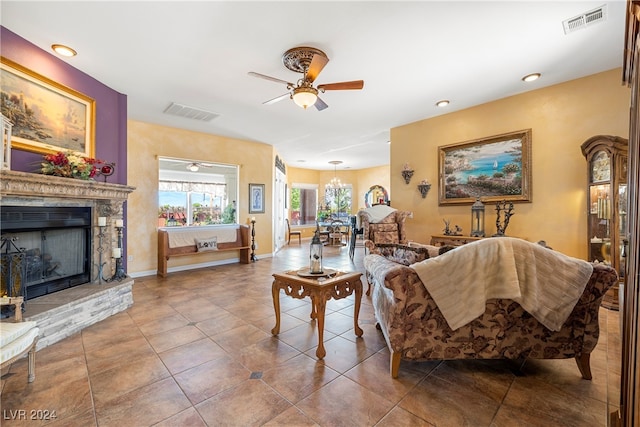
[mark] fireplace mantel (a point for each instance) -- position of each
(32, 189)
(14, 183)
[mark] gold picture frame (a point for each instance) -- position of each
(47, 117)
(495, 168)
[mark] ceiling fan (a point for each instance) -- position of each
(309, 61)
(195, 166)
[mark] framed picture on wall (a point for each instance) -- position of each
(493, 169)
(256, 198)
(47, 117)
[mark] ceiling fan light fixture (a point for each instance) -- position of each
(305, 96)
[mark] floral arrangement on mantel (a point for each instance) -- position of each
(72, 165)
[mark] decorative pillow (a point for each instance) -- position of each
(402, 254)
(210, 244)
(434, 251)
(446, 248)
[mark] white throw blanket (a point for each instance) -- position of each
(186, 236)
(546, 283)
(376, 213)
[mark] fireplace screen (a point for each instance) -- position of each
(50, 259)
(44, 250)
(53, 253)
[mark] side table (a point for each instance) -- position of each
(320, 290)
(444, 240)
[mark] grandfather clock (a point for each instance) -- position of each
(607, 205)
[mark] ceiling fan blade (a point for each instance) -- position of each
(320, 104)
(356, 84)
(277, 98)
(317, 64)
(273, 79)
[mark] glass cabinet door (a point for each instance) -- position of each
(622, 221)
(600, 203)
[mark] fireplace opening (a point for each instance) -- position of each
(44, 249)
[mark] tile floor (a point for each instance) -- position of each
(196, 350)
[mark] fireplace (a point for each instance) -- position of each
(47, 249)
(67, 250)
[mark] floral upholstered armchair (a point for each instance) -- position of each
(382, 224)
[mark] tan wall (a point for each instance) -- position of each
(148, 141)
(561, 117)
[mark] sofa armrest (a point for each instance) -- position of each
(385, 272)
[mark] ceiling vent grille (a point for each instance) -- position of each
(190, 112)
(586, 19)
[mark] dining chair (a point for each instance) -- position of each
(294, 233)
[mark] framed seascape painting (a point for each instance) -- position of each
(493, 169)
(47, 117)
(256, 198)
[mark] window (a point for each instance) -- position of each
(304, 203)
(338, 202)
(193, 193)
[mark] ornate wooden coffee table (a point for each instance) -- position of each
(320, 289)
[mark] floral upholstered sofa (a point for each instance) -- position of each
(415, 328)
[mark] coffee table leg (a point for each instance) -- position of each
(319, 304)
(356, 308)
(314, 313)
(275, 293)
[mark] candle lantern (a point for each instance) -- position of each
(315, 254)
(477, 219)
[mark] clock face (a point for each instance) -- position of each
(600, 167)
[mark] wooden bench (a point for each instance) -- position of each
(165, 252)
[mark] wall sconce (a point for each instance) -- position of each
(424, 188)
(407, 173)
(477, 219)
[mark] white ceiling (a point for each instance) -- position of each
(409, 54)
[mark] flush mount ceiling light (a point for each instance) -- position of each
(63, 50)
(531, 77)
(193, 167)
(442, 103)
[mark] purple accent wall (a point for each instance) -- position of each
(111, 106)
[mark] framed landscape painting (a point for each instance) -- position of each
(493, 169)
(47, 117)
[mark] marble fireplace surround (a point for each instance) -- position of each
(66, 312)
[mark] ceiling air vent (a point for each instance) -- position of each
(190, 112)
(586, 19)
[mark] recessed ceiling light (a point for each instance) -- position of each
(442, 103)
(63, 50)
(531, 77)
